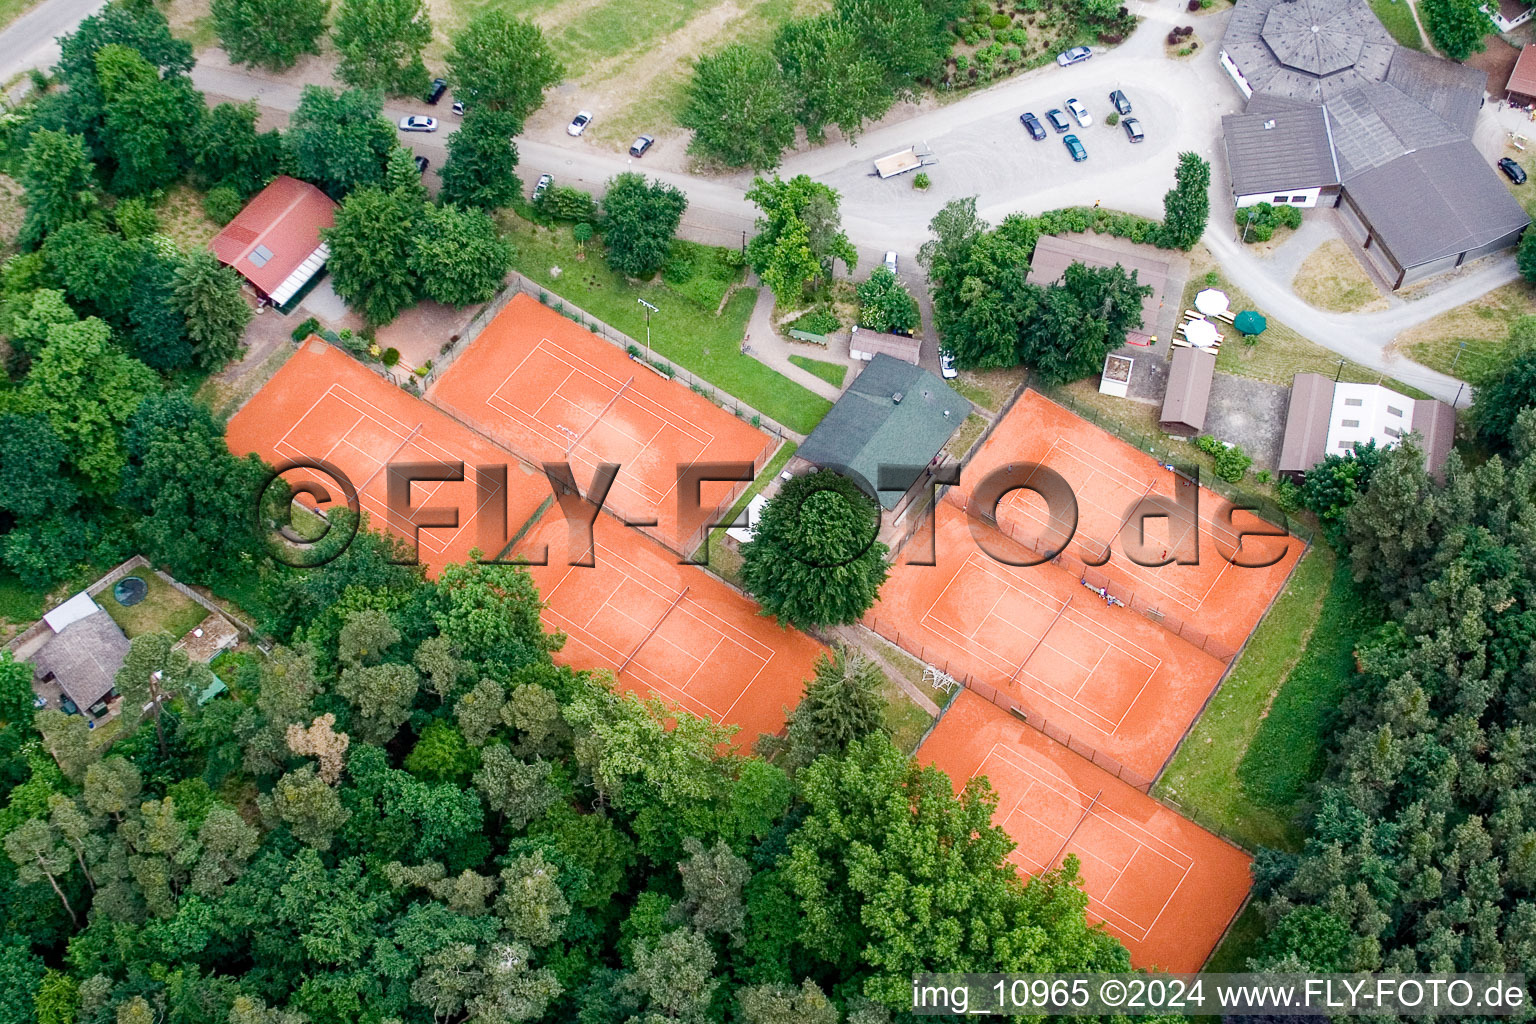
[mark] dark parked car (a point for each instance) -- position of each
(1512, 170)
(642, 144)
(1058, 120)
(1079, 154)
(422, 163)
(1036, 129)
(439, 86)
(1133, 129)
(1120, 102)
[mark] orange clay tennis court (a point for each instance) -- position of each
(552, 392)
(1162, 885)
(1101, 678)
(323, 405)
(1109, 477)
(673, 630)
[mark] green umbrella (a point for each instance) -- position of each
(1250, 322)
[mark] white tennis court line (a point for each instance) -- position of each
(664, 416)
(431, 537)
(1069, 703)
(702, 616)
(1190, 600)
(1180, 859)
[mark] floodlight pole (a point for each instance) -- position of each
(649, 309)
(1253, 211)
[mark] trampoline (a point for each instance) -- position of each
(130, 591)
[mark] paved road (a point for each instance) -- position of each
(28, 42)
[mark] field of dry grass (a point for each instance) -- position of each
(1332, 278)
(1476, 332)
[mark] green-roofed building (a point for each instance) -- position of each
(893, 414)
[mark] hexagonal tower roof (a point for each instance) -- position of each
(1315, 36)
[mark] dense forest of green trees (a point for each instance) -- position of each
(1421, 853)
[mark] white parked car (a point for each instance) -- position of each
(418, 123)
(947, 365)
(579, 123)
(1080, 113)
(890, 261)
(1076, 55)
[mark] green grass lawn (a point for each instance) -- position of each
(1470, 340)
(10, 10)
(832, 373)
(906, 721)
(1249, 726)
(1398, 19)
(1286, 754)
(163, 609)
(18, 603)
(969, 431)
(1241, 942)
(683, 331)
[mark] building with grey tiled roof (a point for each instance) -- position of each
(1339, 114)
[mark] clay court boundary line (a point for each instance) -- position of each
(646, 639)
(398, 449)
(1043, 634)
(599, 417)
(1082, 818)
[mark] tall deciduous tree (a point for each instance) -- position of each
(799, 233)
(60, 183)
(1080, 320)
(814, 559)
(482, 160)
(921, 846)
(196, 500)
(640, 219)
(340, 141)
(146, 120)
(885, 304)
(502, 63)
(1457, 26)
(839, 80)
(228, 151)
(88, 389)
(380, 42)
(209, 297)
(458, 256)
(271, 33)
(371, 244)
(741, 108)
(1187, 206)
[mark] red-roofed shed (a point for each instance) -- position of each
(1522, 80)
(274, 242)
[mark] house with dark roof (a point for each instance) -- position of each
(274, 243)
(1191, 372)
(81, 653)
(1325, 417)
(895, 415)
(1508, 14)
(1337, 110)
